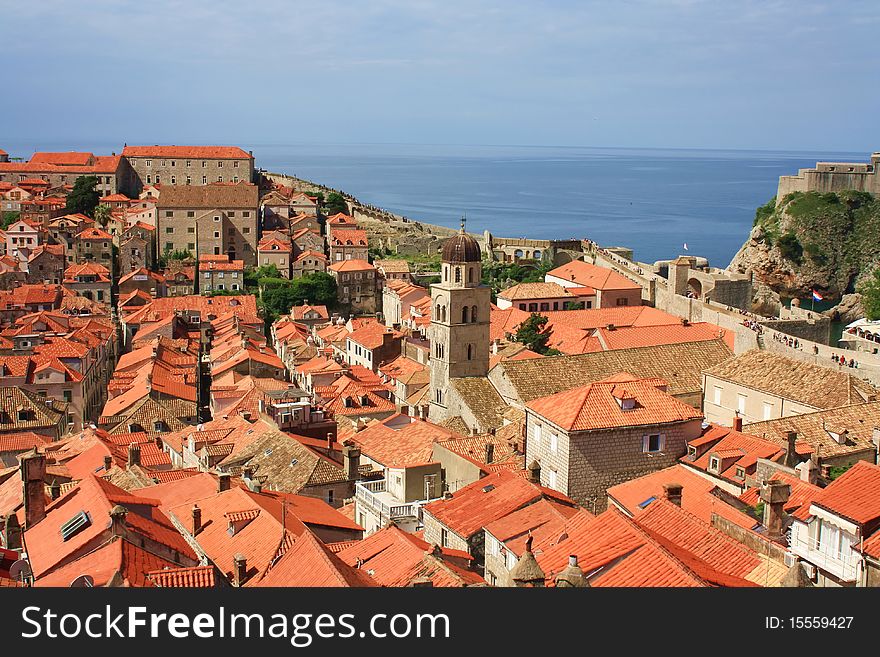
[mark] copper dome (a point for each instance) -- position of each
(461, 248)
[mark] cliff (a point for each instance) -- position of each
(810, 241)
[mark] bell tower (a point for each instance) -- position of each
(459, 332)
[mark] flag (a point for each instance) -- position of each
(685, 246)
(817, 296)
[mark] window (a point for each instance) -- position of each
(173, 180)
(204, 180)
(741, 473)
(149, 163)
(537, 435)
(169, 229)
(768, 410)
(220, 164)
(458, 274)
(741, 403)
(235, 164)
(191, 230)
(554, 442)
(149, 179)
(716, 399)
(189, 180)
(622, 302)
(551, 478)
(444, 537)
(714, 464)
(207, 274)
(204, 164)
(330, 496)
(169, 246)
(652, 443)
(246, 213)
(189, 163)
(219, 178)
(470, 352)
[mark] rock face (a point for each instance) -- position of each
(810, 241)
(848, 310)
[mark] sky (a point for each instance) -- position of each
(744, 74)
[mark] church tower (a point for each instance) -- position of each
(459, 332)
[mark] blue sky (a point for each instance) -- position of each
(762, 74)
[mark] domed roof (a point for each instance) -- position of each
(461, 248)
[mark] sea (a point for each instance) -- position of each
(654, 201)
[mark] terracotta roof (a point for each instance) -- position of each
(813, 385)
(308, 562)
(486, 500)
(854, 495)
(196, 577)
(698, 498)
(209, 197)
(597, 406)
(94, 233)
(393, 557)
(587, 275)
(734, 449)
(192, 152)
(400, 440)
(802, 492)
(351, 265)
(352, 237)
(372, 335)
(524, 291)
(300, 312)
(70, 157)
(393, 266)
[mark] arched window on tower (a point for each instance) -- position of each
(470, 352)
(445, 273)
(437, 312)
(442, 313)
(470, 274)
(464, 315)
(474, 314)
(458, 274)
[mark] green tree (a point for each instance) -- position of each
(870, 291)
(791, 248)
(83, 198)
(531, 333)
(278, 294)
(102, 214)
(317, 195)
(335, 203)
(9, 218)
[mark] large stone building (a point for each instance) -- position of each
(210, 219)
(833, 177)
(186, 165)
(64, 168)
(356, 285)
(459, 331)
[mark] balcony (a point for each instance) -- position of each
(386, 506)
(842, 563)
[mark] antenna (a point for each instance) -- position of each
(20, 570)
(83, 581)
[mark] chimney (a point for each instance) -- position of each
(134, 454)
(329, 442)
(197, 519)
(33, 470)
(239, 569)
(490, 452)
(738, 423)
(11, 532)
(791, 457)
(351, 461)
(611, 327)
(527, 572)
(774, 494)
(54, 490)
(117, 520)
(256, 486)
(684, 322)
(535, 472)
(572, 576)
(223, 482)
(809, 471)
(825, 472)
(672, 492)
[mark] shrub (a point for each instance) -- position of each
(790, 247)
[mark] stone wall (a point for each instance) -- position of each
(833, 177)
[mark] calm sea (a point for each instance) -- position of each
(651, 200)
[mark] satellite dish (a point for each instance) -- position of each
(20, 570)
(83, 581)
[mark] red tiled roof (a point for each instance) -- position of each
(196, 577)
(855, 495)
(193, 152)
(802, 492)
(587, 275)
(371, 335)
(595, 406)
(473, 507)
(399, 440)
(351, 265)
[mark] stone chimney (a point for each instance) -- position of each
(774, 494)
(329, 442)
(825, 472)
(117, 520)
(11, 532)
(351, 461)
(223, 482)
(490, 452)
(108, 462)
(134, 454)
(738, 423)
(572, 576)
(33, 470)
(526, 572)
(808, 470)
(239, 570)
(196, 519)
(672, 492)
(791, 457)
(535, 473)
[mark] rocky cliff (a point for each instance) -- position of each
(826, 242)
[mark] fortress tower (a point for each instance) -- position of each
(459, 332)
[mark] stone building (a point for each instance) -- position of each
(591, 438)
(137, 247)
(91, 280)
(459, 331)
(610, 288)
(833, 177)
(94, 245)
(60, 169)
(179, 278)
(219, 273)
(309, 262)
(210, 219)
(186, 165)
(46, 264)
(349, 245)
(356, 285)
(274, 251)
